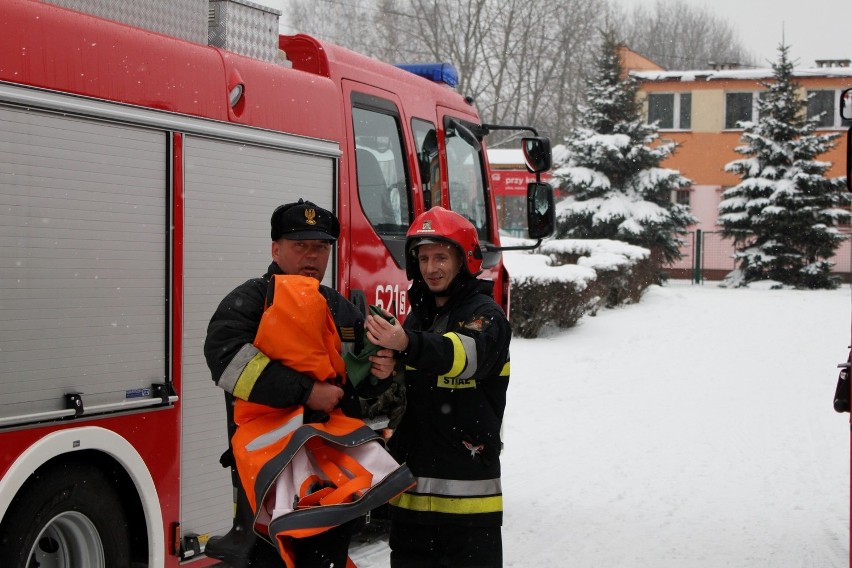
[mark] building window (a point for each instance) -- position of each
(670, 110)
(682, 196)
(739, 107)
(685, 110)
(825, 104)
(821, 106)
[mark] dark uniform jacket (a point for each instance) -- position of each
(457, 373)
(239, 368)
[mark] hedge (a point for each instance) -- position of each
(542, 298)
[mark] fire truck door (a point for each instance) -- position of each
(382, 202)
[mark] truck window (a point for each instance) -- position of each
(426, 138)
(382, 179)
(465, 177)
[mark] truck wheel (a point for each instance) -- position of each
(70, 516)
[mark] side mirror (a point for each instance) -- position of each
(537, 155)
(541, 211)
(846, 104)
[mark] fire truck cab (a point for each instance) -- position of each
(138, 170)
(842, 391)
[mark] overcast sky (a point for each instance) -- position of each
(815, 29)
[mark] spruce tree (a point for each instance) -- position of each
(783, 215)
(611, 169)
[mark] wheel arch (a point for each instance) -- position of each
(105, 449)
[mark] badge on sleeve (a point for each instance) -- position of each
(478, 324)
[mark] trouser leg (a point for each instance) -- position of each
(329, 548)
(445, 546)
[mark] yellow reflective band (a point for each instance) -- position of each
(504, 372)
(459, 356)
(248, 378)
(453, 505)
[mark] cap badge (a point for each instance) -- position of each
(427, 227)
(310, 215)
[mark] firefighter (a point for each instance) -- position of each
(454, 346)
(302, 237)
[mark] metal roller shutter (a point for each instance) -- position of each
(83, 224)
(231, 191)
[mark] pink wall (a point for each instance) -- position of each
(717, 252)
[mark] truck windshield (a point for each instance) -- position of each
(464, 174)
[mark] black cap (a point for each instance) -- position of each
(304, 221)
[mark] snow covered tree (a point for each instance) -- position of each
(783, 215)
(610, 168)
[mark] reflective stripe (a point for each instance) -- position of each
(458, 356)
(249, 376)
(453, 496)
(470, 352)
(242, 372)
(464, 356)
(452, 505)
(504, 372)
(458, 487)
(273, 436)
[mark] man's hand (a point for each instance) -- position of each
(383, 363)
(386, 334)
(324, 396)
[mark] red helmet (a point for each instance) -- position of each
(439, 224)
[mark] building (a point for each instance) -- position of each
(699, 111)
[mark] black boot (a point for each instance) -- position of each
(240, 547)
(236, 547)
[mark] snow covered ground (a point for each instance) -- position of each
(692, 430)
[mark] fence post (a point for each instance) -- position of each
(696, 266)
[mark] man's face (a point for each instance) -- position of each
(305, 258)
(439, 265)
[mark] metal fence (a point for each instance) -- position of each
(709, 256)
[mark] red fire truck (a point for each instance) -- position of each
(842, 393)
(138, 169)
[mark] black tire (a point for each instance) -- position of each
(66, 517)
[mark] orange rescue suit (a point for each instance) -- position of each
(303, 479)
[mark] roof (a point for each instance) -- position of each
(506, 156)
(743, 74)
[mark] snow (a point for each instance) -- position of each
(589, 247)
(691, 430)
(537, 267)
(739, 74)
(632, 209)
(579, 175)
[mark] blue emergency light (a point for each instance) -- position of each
(438, 72)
